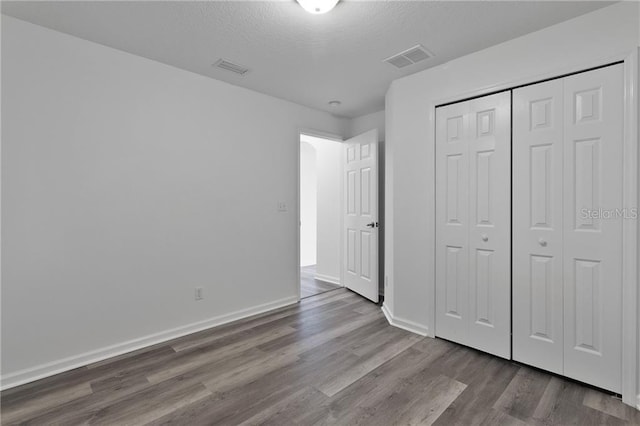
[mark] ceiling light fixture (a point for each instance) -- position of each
(318, 7)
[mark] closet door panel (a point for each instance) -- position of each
(490, 224)
(593, 226)
(537, 225)
(452, 229)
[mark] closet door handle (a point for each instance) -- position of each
(485, 237)
(542, 242)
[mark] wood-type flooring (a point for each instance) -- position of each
(331, 359)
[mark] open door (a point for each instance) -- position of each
(361, 215)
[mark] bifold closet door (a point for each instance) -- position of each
(473, 198)
(567, 235)
(592, 255)
(538, 141)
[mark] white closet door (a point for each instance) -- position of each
(537, 225)
(473, 223)
(593, 245)
(452, 229)
(490, 224)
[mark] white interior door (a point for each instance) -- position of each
(473, 198)
(593, 135)
(361, 215)
(537, 225)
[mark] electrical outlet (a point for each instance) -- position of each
(199, 293)
(282, 206)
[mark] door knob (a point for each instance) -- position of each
(371, 225)
(542, 242)
(485, 237)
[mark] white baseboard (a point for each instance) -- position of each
(328, 278)
(387, 313)
(404, 324)
(49, 369)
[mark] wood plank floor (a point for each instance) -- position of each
(310, 286)
(332, 359)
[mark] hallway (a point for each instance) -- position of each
(309, 286)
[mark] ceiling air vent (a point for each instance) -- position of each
(230, 66)
(410, 56)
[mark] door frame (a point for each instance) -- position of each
(631, 196)
(332, 137)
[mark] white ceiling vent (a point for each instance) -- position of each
(230, 66)
(410, 56)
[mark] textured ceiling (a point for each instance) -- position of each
(291, 54)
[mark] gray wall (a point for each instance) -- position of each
(127, 183)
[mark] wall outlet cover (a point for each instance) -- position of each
(199, 294)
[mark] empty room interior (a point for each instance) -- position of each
(315, 212)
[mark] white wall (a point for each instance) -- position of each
(375, 120)
(127, 183)
(570, 46)
(308, 204)
(329, 203)
(329, 210)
